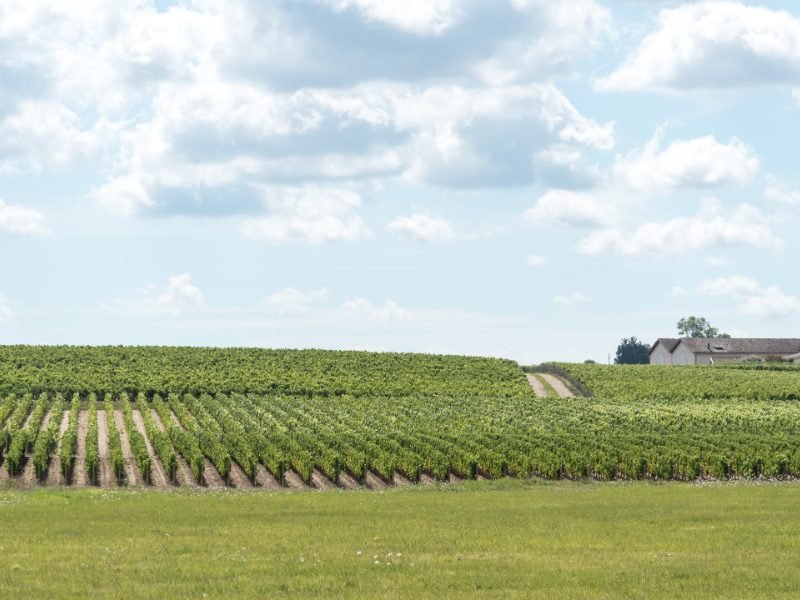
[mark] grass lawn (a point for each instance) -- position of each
(499, 539)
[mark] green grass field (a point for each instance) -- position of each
(500, 539)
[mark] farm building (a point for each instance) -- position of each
(707, 351)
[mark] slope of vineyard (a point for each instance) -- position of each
(318, 419)
(117, 369)
(634, 382)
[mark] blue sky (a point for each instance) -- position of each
(519, 178)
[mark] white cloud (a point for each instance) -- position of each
(650, 171)
(577, 209)
(677, 291)
(308, 214)
(364, 309)
(730, 286)
(570, 299)
(561, 32)
(423, 17)
(754, 299)
(716, 261)
(179, 296)
(423, 228)
(695, 163)
(536, 260)
(22, 221)
(713, 45)
(782, 192)
(745, 227)
(293, 301)
(5, 311)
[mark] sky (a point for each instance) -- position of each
(518, 178)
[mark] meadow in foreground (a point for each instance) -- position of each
(499, 539)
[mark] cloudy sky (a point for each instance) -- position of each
(519, 178)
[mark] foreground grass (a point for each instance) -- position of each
(481, 539)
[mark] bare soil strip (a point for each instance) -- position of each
(183, 473)
(132, 475)
(29, 473)
(426, 479)
(79, 475)
(211, 476)
(559, 385)
(453, 478)
(238, 477)
(400, 480)
(158, 476)
(320, 481)
(106, 476)
(347, 481)
(537, 385)
(265, 479)
(373, 482)
(480, 477)
(294, 481)
(54, 476)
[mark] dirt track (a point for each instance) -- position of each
(54, 475)
(538, 386)
(558, 384)
(158, 476)
(79, 475)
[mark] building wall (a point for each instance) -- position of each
(682, 355)
(660, 356)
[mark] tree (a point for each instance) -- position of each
(698, 327)
(632, 352)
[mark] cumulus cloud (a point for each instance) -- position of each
(745, 227)
(293, 301)
(651, 171)
(178, 297)
(570, 299)
(21, 221)
(424, 17)
(576, 209)
(782, 191)
(713, 45)
(536, 260)
(308, 214)
(677, 291)
(362, 308)
(5, 310)
(753, 298)
(695, 163)
(423, 228)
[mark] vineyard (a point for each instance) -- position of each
(250, 418)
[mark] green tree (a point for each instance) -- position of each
(632, 352)
(698, 327)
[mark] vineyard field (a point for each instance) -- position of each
(172, 417)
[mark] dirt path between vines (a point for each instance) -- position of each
(400, 480)
(239, 478)
(29, 472)
(347, 481)
(183, 474)
(373, 482)
(54, 475)
(158, 475)
(558, 384)
(538, 386)
(265, 479)
(132, 475)
(106, 474)
(294, 481)
(320, 481)
(79, 475)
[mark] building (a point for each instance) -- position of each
(707, 351)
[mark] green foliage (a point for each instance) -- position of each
(159, 440)
(92, 441)
(632, 352)
(47, 439)
(69, 441)
(698, 327)
(115, 453)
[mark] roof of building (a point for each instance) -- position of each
(766, 346)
